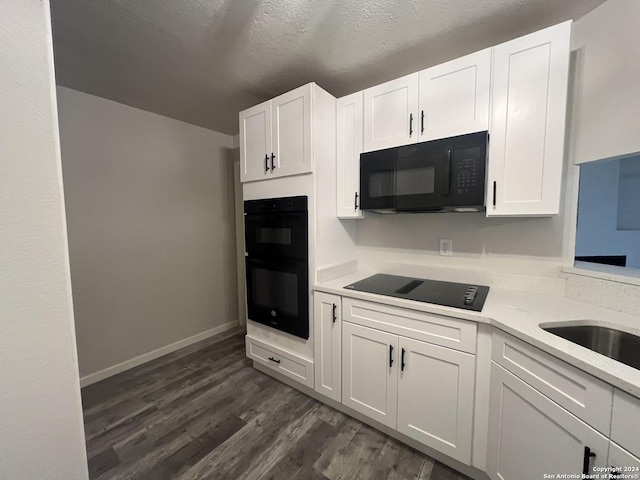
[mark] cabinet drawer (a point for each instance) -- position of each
(625, 421)
(583, 395)
(428, 327)
(288, 364)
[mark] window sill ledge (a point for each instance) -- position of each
(630, 276)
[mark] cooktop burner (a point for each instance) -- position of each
(449, 294)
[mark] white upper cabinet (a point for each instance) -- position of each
(350, 146)
(454, 97)
(275, 136)
(442, 101)
(517, 91)
(291, 132)
(529, 101)
(255, 142)
(390, 113)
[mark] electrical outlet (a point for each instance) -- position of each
(446, 247)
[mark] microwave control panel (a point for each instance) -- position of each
(469, 177)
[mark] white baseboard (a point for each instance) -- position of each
(152, 355)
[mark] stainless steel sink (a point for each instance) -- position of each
(621, 346)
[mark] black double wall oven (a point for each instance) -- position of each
(277, 263)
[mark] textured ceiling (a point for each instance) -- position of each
(202, 61)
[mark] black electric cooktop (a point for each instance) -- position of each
(449, 294)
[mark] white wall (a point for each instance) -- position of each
(41, 430)
(526, 245)
(607, 41)
(150, 208)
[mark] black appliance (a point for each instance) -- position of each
(277, 263)
(449, 294)
(446, 175)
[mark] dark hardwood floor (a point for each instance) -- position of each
(205, 413)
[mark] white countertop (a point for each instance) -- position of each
(520, 314)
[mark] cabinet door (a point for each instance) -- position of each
(390, 113)
(350, 146)
(255, 142)
(529, 101)
(370, 374)
(530, 435)
(454, 97)
(435, 397)
(327, 324)
(291, 132)
(625, 421)
(623, 462)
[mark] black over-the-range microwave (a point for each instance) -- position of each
(446, 175)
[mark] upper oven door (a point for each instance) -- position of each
(281, 234)
(423, 176)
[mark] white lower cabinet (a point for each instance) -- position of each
(435, 397)
(406, 370)
(327, 325)
(531, 435)
(370, 373)
(622, 462)
(624, 449)
(584, 396)
(424, 391)
(625, 422)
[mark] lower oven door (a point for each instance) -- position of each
(278, 294)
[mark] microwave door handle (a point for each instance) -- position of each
(450, 167)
